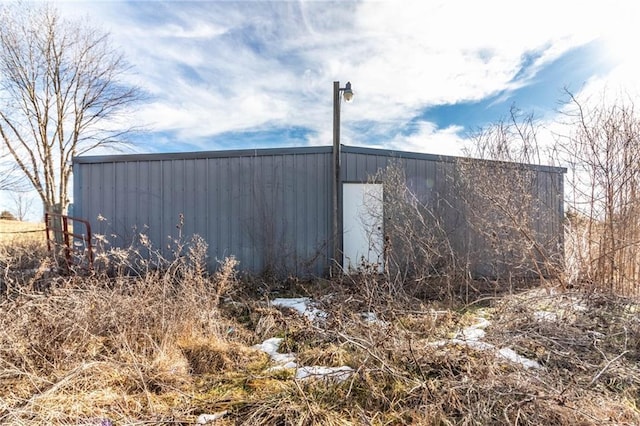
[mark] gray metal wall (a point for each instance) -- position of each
(447, 186)
(271, 208)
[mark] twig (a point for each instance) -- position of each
(304, 397)
(597, 376)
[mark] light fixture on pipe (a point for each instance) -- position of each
(347, 94)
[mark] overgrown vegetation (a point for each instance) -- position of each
(603, 179)
(598, 145)
(163, 342)
(144, 339)
(511, 206)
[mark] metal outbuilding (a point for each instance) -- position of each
(272, 208)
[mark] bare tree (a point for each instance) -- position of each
(22, 204)
(601, 154)
(61, 90)
(11, 179)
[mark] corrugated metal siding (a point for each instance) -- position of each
(270, 211)
(435, 181)
(271, 208)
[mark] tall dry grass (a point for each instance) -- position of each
(149, 340)
(82, 347)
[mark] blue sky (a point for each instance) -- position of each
(253, 74)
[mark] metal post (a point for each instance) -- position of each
(335, 186)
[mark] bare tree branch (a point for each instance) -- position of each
(601, 153)
(61, 89)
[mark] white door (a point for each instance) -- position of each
(362, 226)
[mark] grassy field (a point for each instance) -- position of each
(171, 344)
(13, 230)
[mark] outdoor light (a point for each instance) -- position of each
(336, 186)
(348, 93)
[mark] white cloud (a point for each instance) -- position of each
(214, 67)
(431, 140)
(459, 50)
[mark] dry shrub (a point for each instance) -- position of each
(158, 347)
(600, 152)
(214, 356)
(268, 322)
(108, 340)
(511, 220)
(485, 222)
(587, 345)
(595, 334)
(22, 264)
(418, 253)
(511, 205)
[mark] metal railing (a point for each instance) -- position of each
(58, 225)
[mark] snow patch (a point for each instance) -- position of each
(546, 316)
(474, 332)
(203, 419)
(288, 361)
(470, 337)
(271, 346)
(372, 318)
(511, 355)
(473, 344)
(302, 305)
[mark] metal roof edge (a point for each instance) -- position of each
(114, 158)
(443, 158)
(397, 154)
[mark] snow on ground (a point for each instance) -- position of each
(302, 305)
(271, 346)
(545, 316)
(470, 337)
(288, 360)
(476, 331)
(473, 344)
(512, 356)
(203, 419)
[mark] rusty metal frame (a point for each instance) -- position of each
(69, 236)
